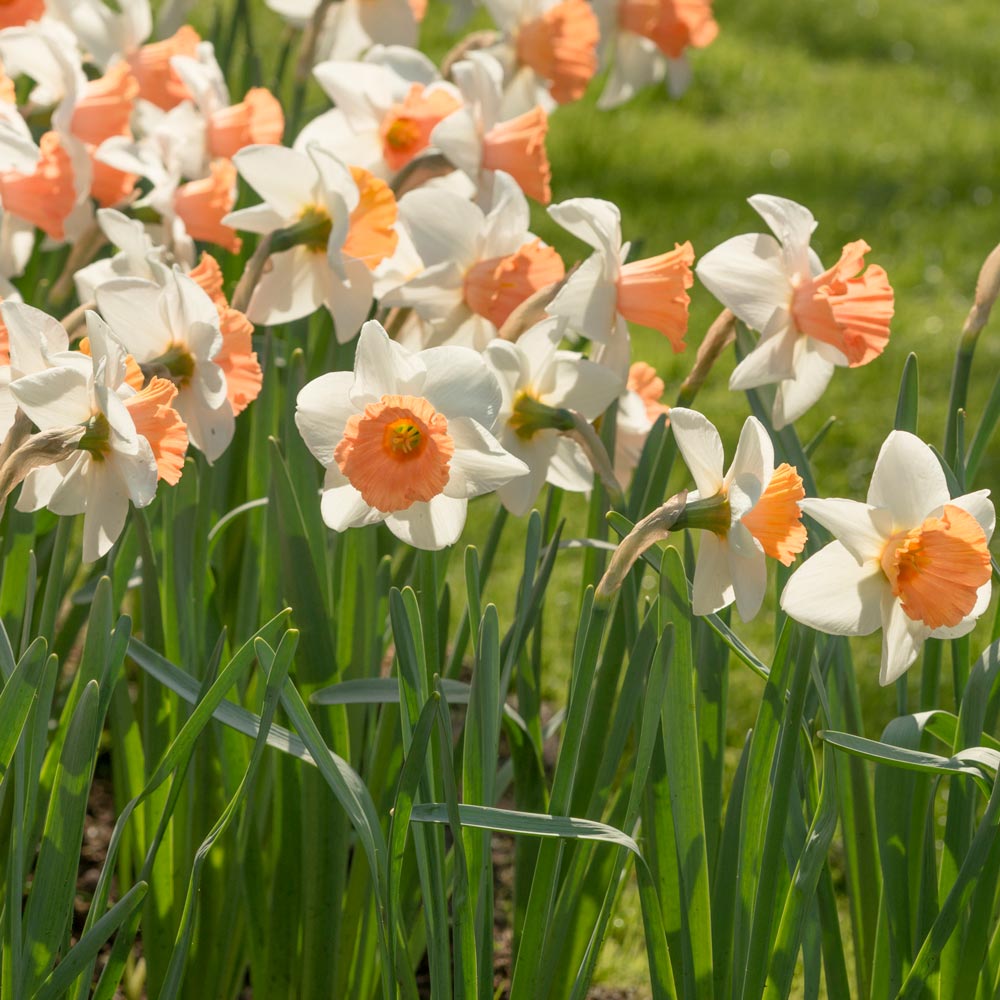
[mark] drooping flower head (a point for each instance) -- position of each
(345, 224)
(478, 267)
(173, 333)
(405, 438)
(749, 512)
(911, 561)
(113, 462)
(809, 319)
(480, 140)
(539, 384)
(605, 293)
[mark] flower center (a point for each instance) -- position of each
(403, 440)
(176, 364)
(402, 134)
(937, 568)
(396, 452)
(407, 126)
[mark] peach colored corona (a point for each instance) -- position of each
(161, 425)
(652, 292)
(372, 234)
(518, 147)
(14, 13)
(45, 197)
(406, 127)
(396, 452)
(937, 568)
(202, 204)
(105, 106)
(104, 110)
(494, 288)
(776, 519)
(672, 24)
(561, 47)
(847, 309)
(256, 120)
(237, 358)
(649, 387)
(159, 82)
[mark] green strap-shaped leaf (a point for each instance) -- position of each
(83, 953)
(50, 905)
(16, 699)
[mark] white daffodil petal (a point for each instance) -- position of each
(349, 300)
(754, 454)
(746, 274)
(582, 385)
(791, 222)
(588, 301)
(810, 377)
(322, 409)
(260, 218)
(283, 177)
(700, 447)
(457, 137)
(133, 308)
(343, 507)
(33, 335)
(907, 480)
(748, 571)
(596, 222)
(902, 638)
(444, 227)
(855, 524)
(479, 464)
(460, 385)
(834, 593)
(712, 589)
(519, 495)
(295, 286)
(382, 367)
(106, 510)
(209, 428)
(431, 525)
(569, 467)
(771, 360)
(54, 398)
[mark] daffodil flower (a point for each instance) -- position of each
(605, 294)
(749, 512)
(911, 561)
(809, 319)
(343, 222)
(113, 463)
(405, 438)
(540, 384)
